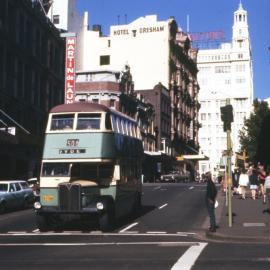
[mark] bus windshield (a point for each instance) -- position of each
(55, 169)
(83, 171)
(91, 171)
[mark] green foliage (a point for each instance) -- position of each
(253, 133)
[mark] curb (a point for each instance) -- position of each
(229, 238)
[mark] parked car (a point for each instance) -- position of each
(176, 176)
(15, 194)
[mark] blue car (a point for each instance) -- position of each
(15, 194)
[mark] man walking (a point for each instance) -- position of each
(211, 193)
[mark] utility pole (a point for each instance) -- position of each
(227, 118)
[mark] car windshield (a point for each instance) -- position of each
(3, 187)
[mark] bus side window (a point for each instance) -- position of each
(108, 123)
(124, 126)
(128, 128)
(119, 125)
(134, 131)
(114, 123)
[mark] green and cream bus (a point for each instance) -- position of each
(91, 166)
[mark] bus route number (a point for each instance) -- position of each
(72, 142)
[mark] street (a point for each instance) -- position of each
(167, 234)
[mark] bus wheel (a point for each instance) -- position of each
(106, 221)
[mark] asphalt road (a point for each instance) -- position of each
(166, 235)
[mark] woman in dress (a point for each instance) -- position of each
(243, 183)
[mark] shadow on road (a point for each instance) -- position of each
(87, 225)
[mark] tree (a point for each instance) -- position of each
(253, 136)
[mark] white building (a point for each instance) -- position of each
(64, 16)
(130, 44)
(224, 73)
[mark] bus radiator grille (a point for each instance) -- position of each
(69, 197)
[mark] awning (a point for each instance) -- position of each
(152, 153)
(195, 157)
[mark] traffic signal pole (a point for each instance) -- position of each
(227, 118)
(229, 176)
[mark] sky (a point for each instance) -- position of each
(204, 16)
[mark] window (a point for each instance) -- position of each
(114, 123)
(18, 187)
(108, 123)
(56, 19)
(62, 122)
(90, 171)
(203, 116)
(3, 187)
(119, 125)
(12, 188)
(222, 69)
(240, 80)
(89, 121)
(24, 185)
(124, 126)
(55, 169)
(112, 103)
(104, 60)
(240, 68)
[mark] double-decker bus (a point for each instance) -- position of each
(91, 166)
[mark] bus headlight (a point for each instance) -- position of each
(37, 205)
(100, 206)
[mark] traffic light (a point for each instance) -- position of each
(227, 116)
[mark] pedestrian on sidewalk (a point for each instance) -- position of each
(243, 183)
(267, 189)
(253, 181)
(211, 194)
(261, 180)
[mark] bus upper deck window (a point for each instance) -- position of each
(89, 121)
(62, 122)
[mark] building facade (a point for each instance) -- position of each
(224, 73)
(31, 83)
(158, 53)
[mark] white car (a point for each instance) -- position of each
(15, 194)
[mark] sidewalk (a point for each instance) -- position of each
(250, 222)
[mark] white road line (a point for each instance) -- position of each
(186, 233)
(156, 188)
(191, 187)
(14, 232)
(126, 233)
(35, 231)
(162, 206)
(195, 244)
(156, 232)
(187, 260)
(128, 227)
